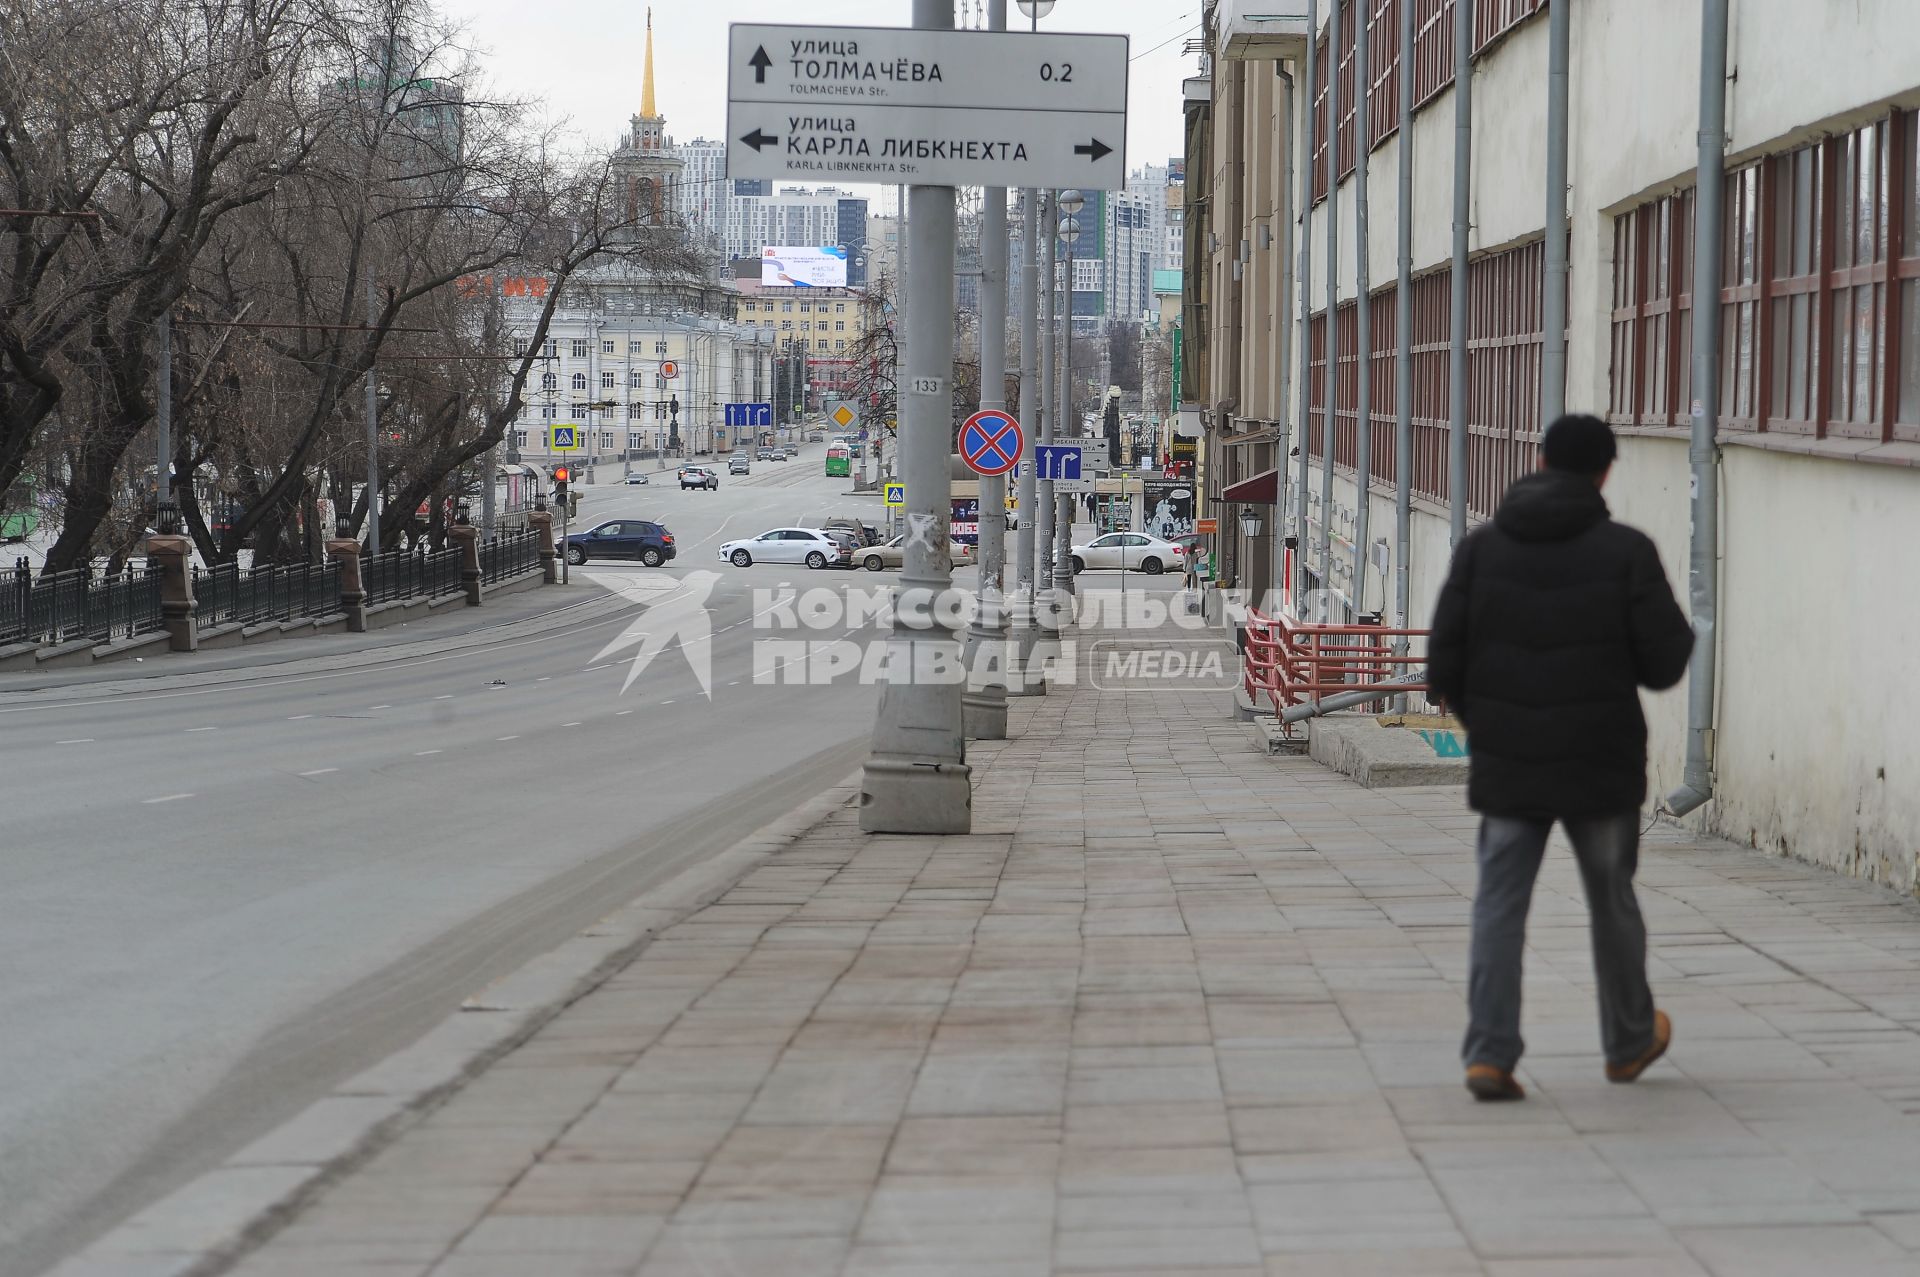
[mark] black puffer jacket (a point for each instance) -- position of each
(1552, 617)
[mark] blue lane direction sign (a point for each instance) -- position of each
(749, 415)
(1057, 461)
(991, 442)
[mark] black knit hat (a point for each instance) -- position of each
(1579, 444)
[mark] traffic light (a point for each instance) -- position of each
(562, 476)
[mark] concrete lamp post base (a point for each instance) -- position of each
(900, 795)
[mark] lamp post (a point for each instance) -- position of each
(1069, 203)
(916, 778)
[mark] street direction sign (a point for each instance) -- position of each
(990, 442)
(1076, 485)
(1057, 461)
(749, 415)
(895, 494)
(939, 108)
(566, 439)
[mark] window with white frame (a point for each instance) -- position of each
(606, 381)
(606, 348)
(579, 381)
(633, 380)
(659, 347)
(549, 382)
(636, 410)
(579, 347)
(519, 345)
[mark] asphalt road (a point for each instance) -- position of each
(217, 900)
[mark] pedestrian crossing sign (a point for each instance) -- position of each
(896, 495)
(566, 438)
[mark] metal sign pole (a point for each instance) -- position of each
(916, 780)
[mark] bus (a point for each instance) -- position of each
(839, 461)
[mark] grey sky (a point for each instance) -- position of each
(583, 57)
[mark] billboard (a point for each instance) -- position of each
(822, 267)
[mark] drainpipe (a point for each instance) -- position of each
(1280, 583)
(1303, 416)
(1703, 567)
(1462, 213)
(1333, 295)
(1403, 355)
(1553, 355)
(1363, 313)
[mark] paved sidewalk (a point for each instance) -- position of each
(1176, 1007)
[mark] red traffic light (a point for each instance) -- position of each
(561, 474)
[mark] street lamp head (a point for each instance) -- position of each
(1072, 202)
(1035, 8)
(1249, 521)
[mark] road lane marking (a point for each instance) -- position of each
(203, 729)
(321, 771)
(374, 707)
(78, 740)
(570, 724)
(622, 713)
(501, 738)
(422, 753)
(294, 718)
(666, 702)
(447, 697)
(543, 678)
(168, 798)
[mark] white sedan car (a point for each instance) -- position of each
(810, 546)
(1129, 552)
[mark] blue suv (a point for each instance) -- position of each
(640, 539)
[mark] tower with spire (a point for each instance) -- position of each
(645, 165)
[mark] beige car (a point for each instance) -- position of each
(892, 554)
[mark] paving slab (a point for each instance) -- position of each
(1177, 1006)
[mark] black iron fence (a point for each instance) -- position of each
(62, 606)
(508, 555)
(224, 594)
(400, 574)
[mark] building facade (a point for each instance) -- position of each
(1819, 365)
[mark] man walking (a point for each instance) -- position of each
(1552, 618)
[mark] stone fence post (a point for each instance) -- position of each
(172, 554)
(541, 521)
(467, 538)
(345, 551)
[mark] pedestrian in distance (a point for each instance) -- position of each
(1552, 618)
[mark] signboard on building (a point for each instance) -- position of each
(1169, 509)
(822, 267)
(966, 521)
(940, 108)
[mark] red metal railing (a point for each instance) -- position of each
(1291, 663)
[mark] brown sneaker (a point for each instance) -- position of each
(1662, 1038)
(1490, 1082)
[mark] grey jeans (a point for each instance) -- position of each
(1510, 850)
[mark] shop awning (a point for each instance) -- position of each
(1261, 489)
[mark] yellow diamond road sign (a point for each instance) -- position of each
(845, 417)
